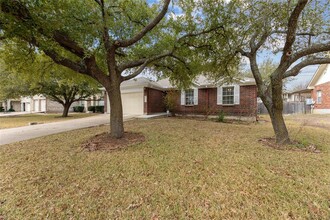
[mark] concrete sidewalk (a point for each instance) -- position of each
(12, 135)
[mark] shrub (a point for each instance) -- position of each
(78, 108)
(99, 108)
(170, 101)
(2, 109)
(91, 109)
(221, 116)
(96, 108)
(11, 110)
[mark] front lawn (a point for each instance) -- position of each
(186, 169)
(40, 118)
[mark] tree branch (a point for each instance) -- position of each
(243, 53)
(292, 28)
(200, 33)
(261, 41)
(68, 44)
(256, 73)
(146, 29)
(181, 60)
(140, 62)
(144, 64)
(131, 64)
(66, 62)
(56, 99)
(316, 48)
(308, 62)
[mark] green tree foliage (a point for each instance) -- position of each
(294, 34)
(65, 90)
(10, 86)
(110, 41)
(42, 76)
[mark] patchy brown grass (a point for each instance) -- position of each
(38, 118)
(185, 169)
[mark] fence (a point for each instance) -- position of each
(288, 108)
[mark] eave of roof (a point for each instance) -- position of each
(316, 76)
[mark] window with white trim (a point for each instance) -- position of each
(189, 97)
(228, 95)
(319, 97)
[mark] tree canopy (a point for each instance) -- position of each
(295, 34)
(110, 41)
(38, 75)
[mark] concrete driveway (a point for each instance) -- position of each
(12, 135)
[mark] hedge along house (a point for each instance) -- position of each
(320, 85)
(140, 96)
(210, 98)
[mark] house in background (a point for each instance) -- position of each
(320, 86)
(14, 104)
(302, 95)
(208, 97)
(143, 96)
(40, 103)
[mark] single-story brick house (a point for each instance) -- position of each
(207, 97)
(143, 96)
(320, 85)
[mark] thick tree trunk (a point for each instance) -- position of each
(281, 132)
(274, 106)
(116, 111)
(66, 108)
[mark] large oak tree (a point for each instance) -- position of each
(110, 41)
(295, 34)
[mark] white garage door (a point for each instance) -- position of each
(132, 103)
(27, 107)
(36, 105)
(43, 105)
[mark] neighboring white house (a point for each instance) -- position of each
(40, 103)
(320, 85)
(10, 104)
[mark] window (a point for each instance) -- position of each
(189, 99)
(319, 97)
(228, 95)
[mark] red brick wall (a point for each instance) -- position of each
(325, 103)
(155, 101)
(207, 103)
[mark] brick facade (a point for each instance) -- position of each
(153, 101)
(325, 103)
(207, 103)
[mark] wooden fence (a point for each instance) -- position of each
(288, 108)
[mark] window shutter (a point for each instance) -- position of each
(196, 96)
(219, 95)
(236, 94)
(183, 97)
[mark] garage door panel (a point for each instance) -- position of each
(43, 105)
(36, 105)
(132, 103)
